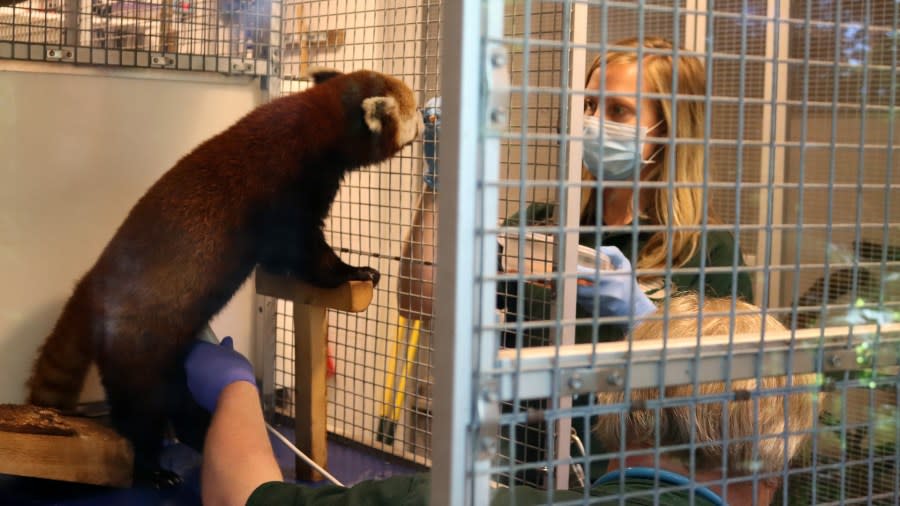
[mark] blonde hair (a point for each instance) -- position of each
(687, 203)
(716, 427)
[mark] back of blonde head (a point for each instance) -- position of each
(758, 432)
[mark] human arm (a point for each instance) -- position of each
(417, 261)
(416, 280)
(237, 455)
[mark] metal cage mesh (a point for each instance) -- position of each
(798, 99)
(800, 170)
(799, 167)
(232, 37)
(369, 223)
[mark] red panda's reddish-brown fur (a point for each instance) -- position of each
(257, 193)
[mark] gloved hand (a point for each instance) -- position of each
(431, 114)
(613, 288)
(210, 368)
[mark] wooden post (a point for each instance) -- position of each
(311, 306)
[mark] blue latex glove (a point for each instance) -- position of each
(613, 288)
(210, 368)
(431, 114)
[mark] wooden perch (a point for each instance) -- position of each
(354, 296)
(41, 443)
(311, 306)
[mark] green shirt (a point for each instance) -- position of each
(414, 490)
(719, 252)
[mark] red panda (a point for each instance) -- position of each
(256, 194)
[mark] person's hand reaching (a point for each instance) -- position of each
(612, 292)
(210, 368)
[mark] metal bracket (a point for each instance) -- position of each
(497, 86)
(489, 416)
(859, 358)
(241, 67)
(61, 54)
(162, 60)
(582, 381)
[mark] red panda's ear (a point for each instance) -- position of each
(321, 74)
(379, 109)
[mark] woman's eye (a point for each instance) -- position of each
(617, 112)
(589, 107)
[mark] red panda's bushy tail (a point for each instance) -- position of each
(58, 374)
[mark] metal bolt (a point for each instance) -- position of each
(498, 59)
(615, 379)
(835, 361)
(576, 383)
(488, 444)
(498, 116)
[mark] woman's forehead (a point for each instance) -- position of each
(620, 76)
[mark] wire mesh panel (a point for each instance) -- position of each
(379, 392)
(697, 274)
(226, 36)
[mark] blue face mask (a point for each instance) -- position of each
(615, 150)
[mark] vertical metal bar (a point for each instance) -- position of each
(694, 30)
(883, 276)
(704, 222)
(571, 112)
(832, 174)
(855, 277)
(72, 15)
(275, 52)
(453, 439)
(774, 128)
(801, 194)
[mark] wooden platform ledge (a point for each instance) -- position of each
(311, 305)
(41, 443)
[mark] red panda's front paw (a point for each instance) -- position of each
(366, 274)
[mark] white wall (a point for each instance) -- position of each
(78, 147)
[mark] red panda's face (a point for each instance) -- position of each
(394, 113)
(386, 106)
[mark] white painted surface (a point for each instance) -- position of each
(79, 147)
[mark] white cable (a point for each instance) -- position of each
(303, 456)
(577, 468)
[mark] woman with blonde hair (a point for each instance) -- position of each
(628, 149)
(747, 429)
(646, 208)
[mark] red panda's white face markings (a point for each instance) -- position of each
(376, 108)
(388, 104)
(399, 106)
